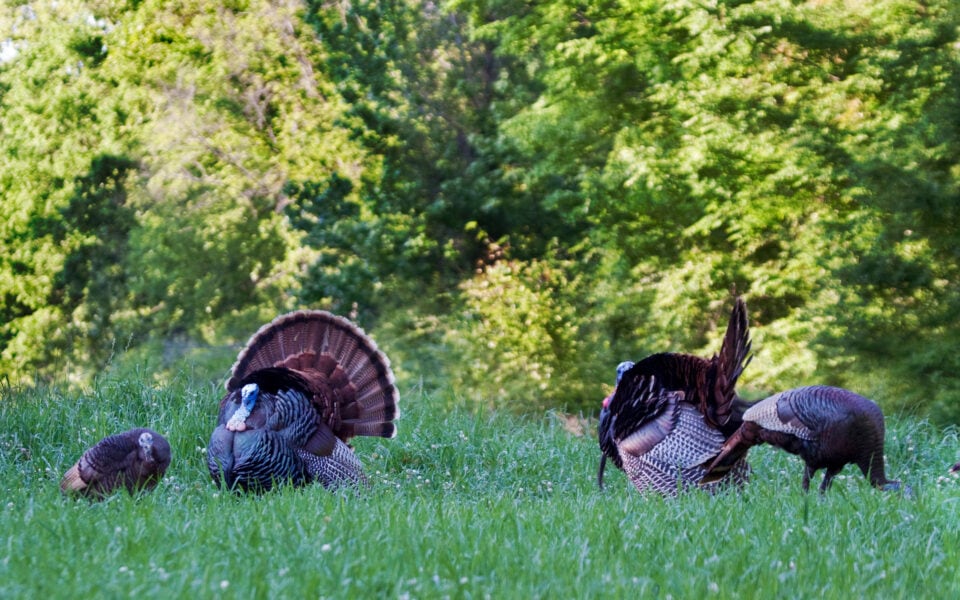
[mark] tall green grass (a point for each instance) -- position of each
(461, 506)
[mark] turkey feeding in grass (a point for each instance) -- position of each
(303, 386)
(671, 413)
(135, 460)
(827, 427)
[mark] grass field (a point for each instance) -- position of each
(461, 506)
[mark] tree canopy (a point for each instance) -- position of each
(515, 196)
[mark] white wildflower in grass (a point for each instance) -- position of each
(224, 584)
(326, 548)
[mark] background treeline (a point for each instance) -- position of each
(512, 196)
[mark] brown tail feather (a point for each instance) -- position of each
(71, 480)
(376, 399)
(732, 360)
(733, 450)
(387, 430)
(299, 334)
(344, 363)
(305, 334)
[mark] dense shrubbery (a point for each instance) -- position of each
(516, 338)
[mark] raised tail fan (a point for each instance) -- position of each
(304, 385)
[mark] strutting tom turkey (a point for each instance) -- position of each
(135, 460)
(303, 386)
(827, 427)
(671, 413)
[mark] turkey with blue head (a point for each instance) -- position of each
(303, 386)
(671, 413)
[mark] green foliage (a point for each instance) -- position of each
(181, 171)
(238, 109)
(461, 504)
(765, 147)
(516, 342)
(60, 151)
(95, 226)
(146, 151)
(425, 98)
(395, 244)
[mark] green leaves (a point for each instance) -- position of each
(517, 342)
(618, 167)
(146, 151)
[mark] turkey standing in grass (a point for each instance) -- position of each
(670, 413)
(827, 427)
(135, 459)
(304, 385)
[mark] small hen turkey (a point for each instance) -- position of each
(827, 427)
(670, 413)
(135, 460)
(303, 386)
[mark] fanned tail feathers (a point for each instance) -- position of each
(349, 372)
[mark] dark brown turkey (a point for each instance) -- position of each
(135, 460)
(303, 386)
(827, 427)
(670, 413)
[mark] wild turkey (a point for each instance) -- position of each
(670, 412)
(135, 459)
(303, 386)
(827, 427)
